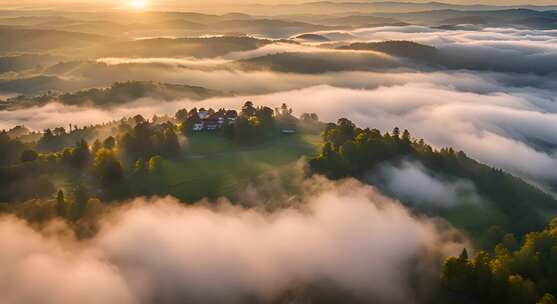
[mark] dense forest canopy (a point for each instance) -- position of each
(351, 151)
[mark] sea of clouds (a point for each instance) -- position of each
(497, 103)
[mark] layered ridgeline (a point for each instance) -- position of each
(504, 200)
(117, 94)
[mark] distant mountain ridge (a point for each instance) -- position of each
(406, 49)
(320, 7)
(117, 94)
(508, 17)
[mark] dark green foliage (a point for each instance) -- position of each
(25, 181)
(109, 143)
(170, 145)
(80, 155)
(517, 276)
(147, 139)
(155, 165)
(253, 125)
(108, 167)
(351, 151)
(547, 299)
(140, 169)
(181, 115)
(10, 150)
(81, 198)
(60, 204)
(29, 156)
(58, 139)
(248, 109)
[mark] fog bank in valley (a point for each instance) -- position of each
(479, 113)
(340, 234)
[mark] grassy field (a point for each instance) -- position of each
(214, 166)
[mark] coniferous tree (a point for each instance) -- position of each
(60, 204)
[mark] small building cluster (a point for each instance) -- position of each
(209, 120)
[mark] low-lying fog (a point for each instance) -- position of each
(496, 123)
(342, 239)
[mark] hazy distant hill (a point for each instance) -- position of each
(320, 62)
(181, 47)
(32, 85)
(361, 21)
(25, 61)
(117, 94)
(25, 40)
(405, 49)
(268, 27)
(329, 7)
(511, 17)
(312, 38)
(123, 92)
(152, 24)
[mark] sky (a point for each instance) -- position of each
(179, 4)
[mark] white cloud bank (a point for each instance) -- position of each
(506, 127)
(411, 182)
(163, 252)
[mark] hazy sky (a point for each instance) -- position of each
(184, 4)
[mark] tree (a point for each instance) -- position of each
(396, 132)
(248, 109)
(60, 204)
(181, 115)
(155, 164)
(29, 156)
(338, 134)
(81, 198)
(170, 144)
(309, 117)
(96, 146)
(80, 155)
(140, 169)
(457, 273)
(48, 142)
(109, 143)
(108, 167)
(60, 131)
(463, 255)
(138, 119)
(265, 117)
(495, 235)
(406, 135)
(245, 129)
(547, 299)
(521, 291)
(509, 241)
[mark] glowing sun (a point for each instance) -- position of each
(139, 4)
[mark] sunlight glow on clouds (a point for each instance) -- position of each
(139, 4)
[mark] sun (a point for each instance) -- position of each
(139, 4)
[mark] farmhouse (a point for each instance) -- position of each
(215, 121)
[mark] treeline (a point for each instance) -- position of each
(99, 166)
(524, 274)
(125, 158)
(252, 124)
(352, 151)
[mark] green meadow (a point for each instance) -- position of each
(213, 166)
